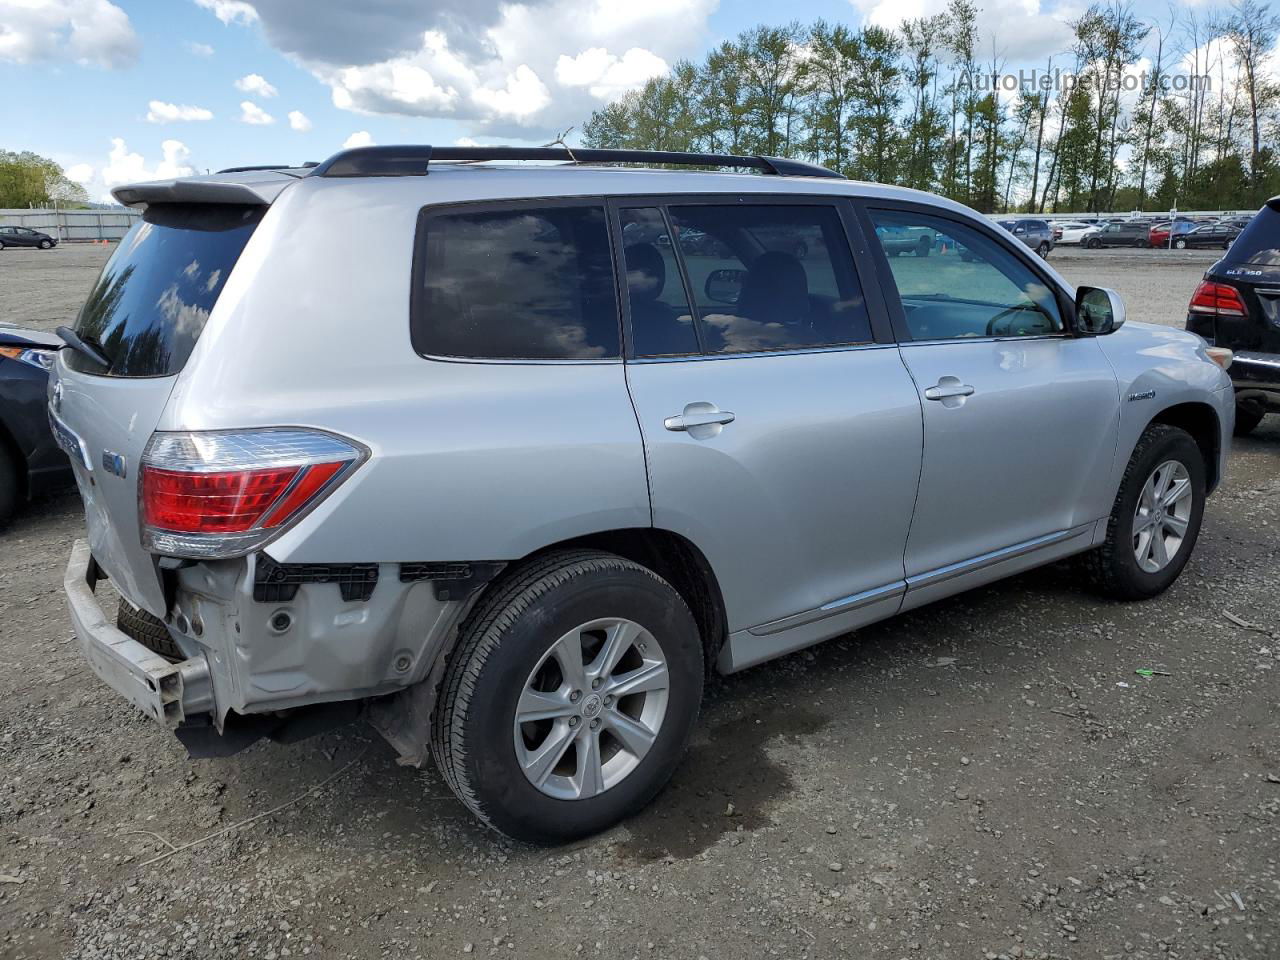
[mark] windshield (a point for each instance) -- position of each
(150, 304)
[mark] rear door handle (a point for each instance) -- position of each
(687, 421)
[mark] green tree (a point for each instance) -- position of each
(30, 180)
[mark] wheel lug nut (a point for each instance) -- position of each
(608, 701)
(595, 684)
(575, 696)
(573, 721)
(595, 724)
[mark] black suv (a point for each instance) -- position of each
(29, 458)
(25, 237)
(1237, 305)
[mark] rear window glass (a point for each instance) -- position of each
(150, 304)
(1259, 242)
(533, 282)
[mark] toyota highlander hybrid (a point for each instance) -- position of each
(507, 480)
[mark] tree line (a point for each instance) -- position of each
(30, 180)
(1134, 115)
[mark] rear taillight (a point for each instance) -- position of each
(1218, 299)
(224, 493)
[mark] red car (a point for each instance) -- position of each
(1158, 235)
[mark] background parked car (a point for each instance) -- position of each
(1158, 235)
(900, 240)
(1122, 233)
(1237, 306)
(1072, 231)
(1207, 235)
(1036, 234)
(25, 237)
(29, 458)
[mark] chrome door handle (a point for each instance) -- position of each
(947, 388)
(686, 421)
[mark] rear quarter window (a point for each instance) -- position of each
(150, 304)
(532, 281)
(1259, 242)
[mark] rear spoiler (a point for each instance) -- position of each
(251, 190)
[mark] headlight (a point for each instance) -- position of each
(41, 357)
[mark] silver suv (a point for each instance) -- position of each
(462, 450)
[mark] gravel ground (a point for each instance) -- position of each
(986, 777)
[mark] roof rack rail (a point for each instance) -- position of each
(412, 160)
(270, 166)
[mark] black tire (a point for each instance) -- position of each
(1043, 250)
(924, 248)
(10, 485)
(1142, 244)
(1113, 568)
(501, 643)
(147, 630)
(1093, 243)
(46, 244)
(1247, 420)
(1226, 244)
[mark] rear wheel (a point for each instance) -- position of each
(1247, 419)
(1043, 250)
(1093, 243)
(1155, 519)
(1141, 244)
(924, 247)
(570, 697)
(1180, 244)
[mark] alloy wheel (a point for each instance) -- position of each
(591, 709)
(1162, 516)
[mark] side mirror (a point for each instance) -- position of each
(1099, 311)
(724, 286)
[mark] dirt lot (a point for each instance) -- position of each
(987, 777)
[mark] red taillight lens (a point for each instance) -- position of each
(223, 493)
(1219, 299)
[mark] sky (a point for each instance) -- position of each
(119, 91)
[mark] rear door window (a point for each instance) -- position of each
(1259, 242)
(525, 282)
(769, 277)
(152, 300)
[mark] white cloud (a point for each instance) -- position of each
(1021, 29)
(523, 94)
(606, 76)
(360, 138)
(160, 112)
(199, 49)
(254, 115)
(126, 167)
(80, 173)
(230, 11)
(465, 142)
(510, 69)
(93, 33)
(299, 121)
(255, 85)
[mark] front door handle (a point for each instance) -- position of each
(949, 388)
(700, 420)
(687, 421)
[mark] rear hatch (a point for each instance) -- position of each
(144, 315)
(1251, 266)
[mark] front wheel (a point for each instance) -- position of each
(1093, 243)
(1180, 244)
(570, 697)
(1043, 250)
(46, 244)
(1155, 519)
(924, 248)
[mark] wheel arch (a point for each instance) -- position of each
(1201, 421)
(671, 556)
